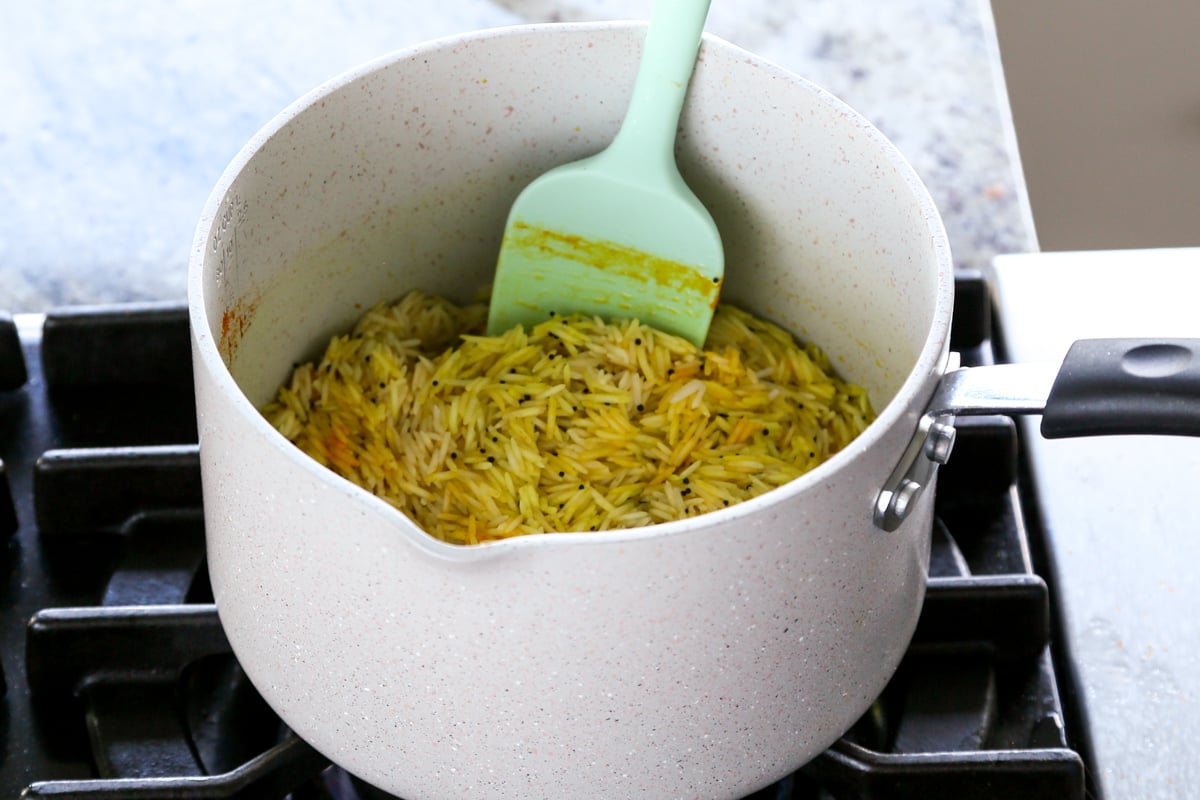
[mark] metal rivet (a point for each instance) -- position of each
(902, 498)
(940, 442)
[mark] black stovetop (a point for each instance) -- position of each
(119, 682)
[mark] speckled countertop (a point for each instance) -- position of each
(119, 117)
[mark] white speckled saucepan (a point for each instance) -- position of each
(702, 658)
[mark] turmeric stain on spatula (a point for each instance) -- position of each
(614, 258)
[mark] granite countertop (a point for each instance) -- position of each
(119, 117)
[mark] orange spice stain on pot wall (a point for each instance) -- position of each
(234, 323)
(617, 259)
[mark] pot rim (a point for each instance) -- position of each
(902, 409)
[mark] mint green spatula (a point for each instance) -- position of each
(619, 234)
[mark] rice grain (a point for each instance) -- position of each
(573, 425)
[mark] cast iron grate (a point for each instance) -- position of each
(126, 688)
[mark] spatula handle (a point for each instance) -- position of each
(646, 141)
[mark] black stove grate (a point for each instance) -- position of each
(120, 683)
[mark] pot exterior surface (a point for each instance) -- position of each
(707, 657)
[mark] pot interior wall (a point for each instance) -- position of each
(401, 176)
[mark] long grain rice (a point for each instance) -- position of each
(574, 425)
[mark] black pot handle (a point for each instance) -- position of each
(1126, 386)
(1102, 387)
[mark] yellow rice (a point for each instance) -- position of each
(574, 425)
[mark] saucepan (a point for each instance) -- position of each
(700, 658)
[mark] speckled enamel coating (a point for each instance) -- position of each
(703, 658)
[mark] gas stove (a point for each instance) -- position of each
(119, 682)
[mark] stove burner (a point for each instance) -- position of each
(127, 687)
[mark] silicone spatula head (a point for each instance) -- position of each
(620, 234)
